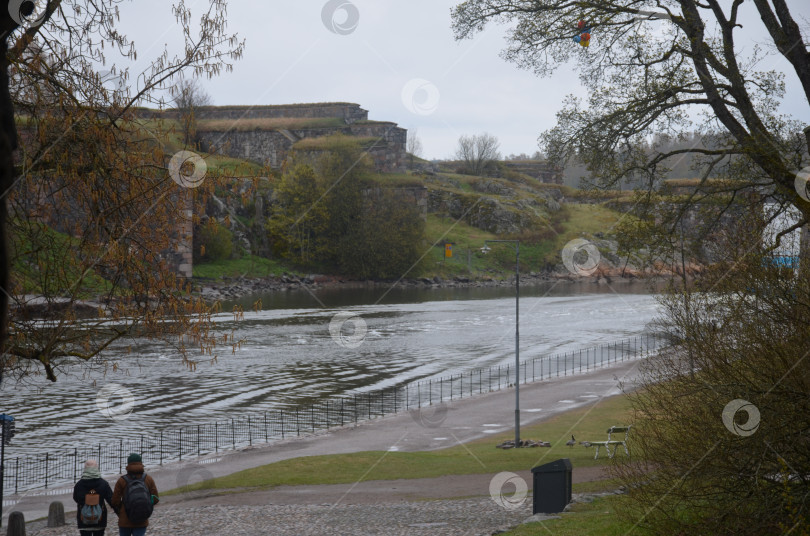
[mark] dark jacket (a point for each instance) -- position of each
(134, 470)
(81, 489)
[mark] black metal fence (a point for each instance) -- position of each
(49, 469)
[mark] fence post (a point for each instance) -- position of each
(282, 424)
(341, 411)
(451, 387)
(233, 434)
(312, 416)
(265, 428)
(328, 422)
(297, 422)
(198, 440)
(180, 442)
(430, 391)
(161, 447)
(250, 433)
(75, 463)
(99, 458)
(395, 399)
(355, 408)
(46, 470)
(216, 437)
(120, 454)
(419, 394)
(407, 405)
(16, 475)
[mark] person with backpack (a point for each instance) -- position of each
(134, 497)
(90, 493)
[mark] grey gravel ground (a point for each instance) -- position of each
(477, 516)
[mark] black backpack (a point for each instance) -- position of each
(137, 499)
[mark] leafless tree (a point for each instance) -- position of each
(414, 145)
(477, 151)
(188, 96)
(676, 67)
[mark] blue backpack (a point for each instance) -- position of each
(91, 511)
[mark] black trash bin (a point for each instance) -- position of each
(552, 486)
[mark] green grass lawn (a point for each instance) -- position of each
(248, 266)
(477, 457)
(598, 517)
(45, 263)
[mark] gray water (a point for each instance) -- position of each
(291, 358)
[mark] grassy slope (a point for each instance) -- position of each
(575, 220)
(536, 253)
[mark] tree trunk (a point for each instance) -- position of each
(8, 142)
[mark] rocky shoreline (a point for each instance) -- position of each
(232, 289)
(238, 288)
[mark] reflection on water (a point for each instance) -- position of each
(291, 358)
(392, 294)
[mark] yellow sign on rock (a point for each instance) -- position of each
(448, 250)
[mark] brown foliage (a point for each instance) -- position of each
(93, 211)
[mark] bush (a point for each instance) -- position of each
(721, 444)
(386, 242)
(215, 243)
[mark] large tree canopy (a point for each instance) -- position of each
(665, 67)
(658, 70)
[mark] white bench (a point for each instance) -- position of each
(615, 442)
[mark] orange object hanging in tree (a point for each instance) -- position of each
(584, 37)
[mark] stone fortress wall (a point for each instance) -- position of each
(268, 135)
(238, 131)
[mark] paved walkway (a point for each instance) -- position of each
(429, 429)
(478, 516)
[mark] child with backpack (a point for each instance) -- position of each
(134, 497)
(90, 493)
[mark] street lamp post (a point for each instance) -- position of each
(516, 245)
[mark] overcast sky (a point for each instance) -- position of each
(396, 59)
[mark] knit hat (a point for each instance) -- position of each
(134, 458)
